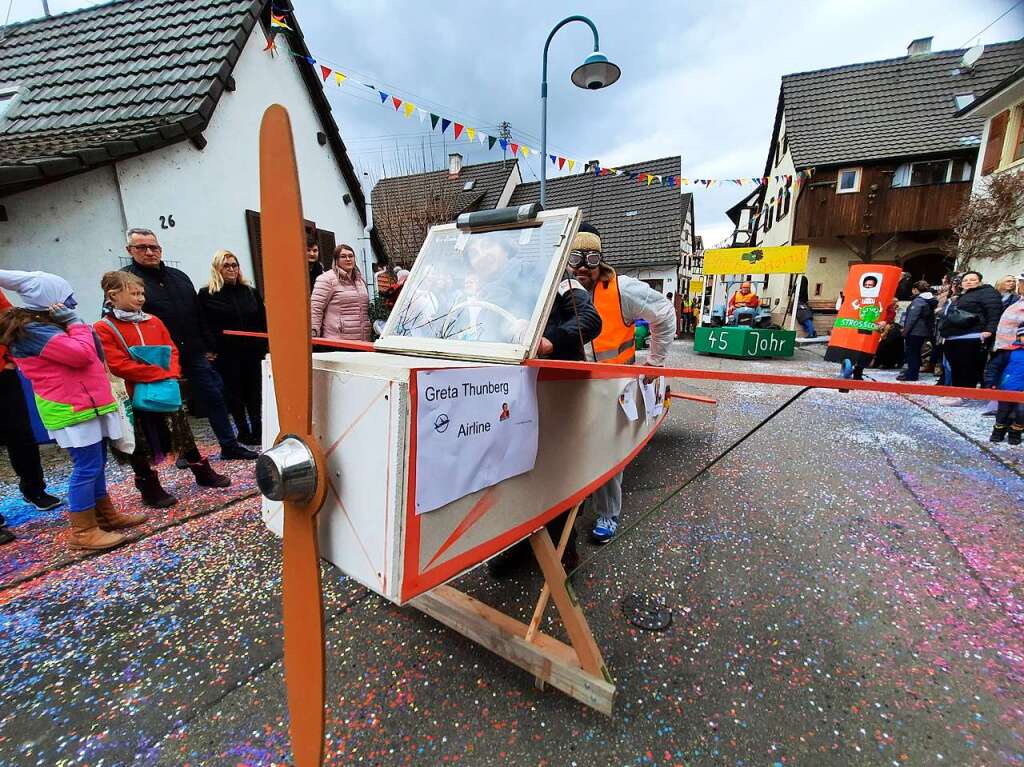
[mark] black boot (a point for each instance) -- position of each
(152, 492)
(206, 476)
(250, 436)
(1015, 434)
(6, 536)
(998, 433)
(235, 452)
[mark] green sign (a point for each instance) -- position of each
(742, 341)
(846, 322)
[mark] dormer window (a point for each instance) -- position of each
(963, 100)
(848, 180)
(7, 96)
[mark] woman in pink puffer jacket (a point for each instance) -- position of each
(340, 302)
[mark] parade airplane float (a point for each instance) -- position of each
(408, 462)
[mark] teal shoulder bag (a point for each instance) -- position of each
(153, 396)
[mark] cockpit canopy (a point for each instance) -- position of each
(482, 290)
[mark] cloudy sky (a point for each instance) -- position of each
(699, 79)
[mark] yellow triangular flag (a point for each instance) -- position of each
(571, 163)
(339, 77)
(409, 108)
(525, 150)
(650, 178)
(471, 132)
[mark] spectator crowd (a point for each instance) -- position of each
(115, 386)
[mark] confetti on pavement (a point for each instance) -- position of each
(846, 589)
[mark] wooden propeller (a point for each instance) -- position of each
(293, 470)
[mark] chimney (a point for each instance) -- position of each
(919, 47)
(454, 165)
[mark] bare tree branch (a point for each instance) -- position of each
(406, 207)
(990, 224)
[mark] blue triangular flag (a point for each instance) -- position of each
(445, 122)
(554, 160)
(383, 96)
(310, 59)
(504, 144)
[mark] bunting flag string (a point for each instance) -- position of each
(407, 108)
(784, 180)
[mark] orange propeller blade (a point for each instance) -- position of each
(287, 299)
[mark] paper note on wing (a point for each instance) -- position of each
(474, 428)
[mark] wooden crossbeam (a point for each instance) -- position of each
(577, 670)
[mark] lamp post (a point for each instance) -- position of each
(594, 73)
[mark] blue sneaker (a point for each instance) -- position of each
(604, 529)
(847, 369)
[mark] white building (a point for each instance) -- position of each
(1003, 152)
(146, 114)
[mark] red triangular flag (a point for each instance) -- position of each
(458, 129)
(513, 147)
(325, 71)
(396, 101)
(561, 162)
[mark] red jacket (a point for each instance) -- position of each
(152, 332)
(4, 306)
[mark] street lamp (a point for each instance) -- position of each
(594, 73)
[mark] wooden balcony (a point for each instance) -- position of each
(877, 208)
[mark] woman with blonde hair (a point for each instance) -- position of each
(229, 302)
(1007, 287)
(340, 302)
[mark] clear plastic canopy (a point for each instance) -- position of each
(481, 295)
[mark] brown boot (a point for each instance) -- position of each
(206, 476)
(86, 534)
(109, 518)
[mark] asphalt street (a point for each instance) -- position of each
(846, 587)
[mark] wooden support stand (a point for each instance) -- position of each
(576, 669)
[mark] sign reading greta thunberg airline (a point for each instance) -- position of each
(474, 428)
(784, 259)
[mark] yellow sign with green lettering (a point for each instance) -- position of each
(783, 259)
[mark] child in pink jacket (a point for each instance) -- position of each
(63, 360)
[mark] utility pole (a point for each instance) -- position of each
(46, 8)
(505, 132)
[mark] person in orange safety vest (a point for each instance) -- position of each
(744, 298)
(621, 301)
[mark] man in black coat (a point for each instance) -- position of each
(171, 296)
(573, 323)
(918, 327)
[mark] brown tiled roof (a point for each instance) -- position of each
(488, 180)
(889, 109)
(640, 225)
(124, 78)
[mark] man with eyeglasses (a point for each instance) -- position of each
(171, 296)
(621, 301)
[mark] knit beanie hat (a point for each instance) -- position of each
(586, 241)
(38, 290)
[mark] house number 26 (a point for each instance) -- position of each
(167, 222)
